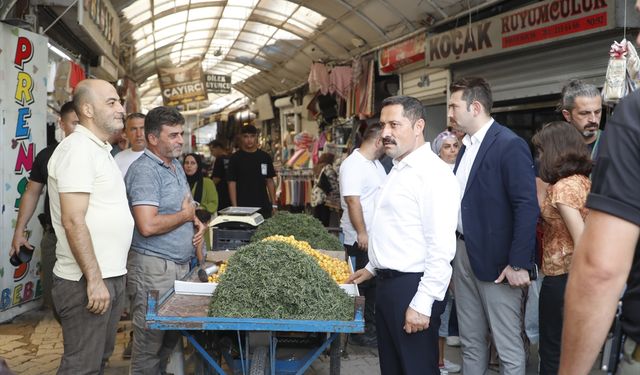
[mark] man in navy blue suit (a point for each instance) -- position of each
(496, 230)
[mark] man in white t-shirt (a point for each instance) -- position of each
(92, 221)
(361, 174)
(134, 131)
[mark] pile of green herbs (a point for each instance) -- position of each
(302, 226)
(274, 280)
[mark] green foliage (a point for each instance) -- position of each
(302, 226)
(274, 280)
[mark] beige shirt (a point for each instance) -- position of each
(82, 163)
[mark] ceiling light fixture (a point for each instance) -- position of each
(218, 52)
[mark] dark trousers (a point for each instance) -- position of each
(551, 309)
(322, 213)
(366, 289)
(88, 338)
(400, 352)
(453, 319)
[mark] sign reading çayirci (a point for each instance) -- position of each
(182, 85)
(524, 27)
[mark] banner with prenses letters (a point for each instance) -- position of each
(23, 104)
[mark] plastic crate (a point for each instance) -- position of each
(230, 239)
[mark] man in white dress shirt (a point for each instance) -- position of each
(411, 243)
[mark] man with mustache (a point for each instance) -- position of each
(163, 240)
(411, 243)
(93, 225)
(582, 107)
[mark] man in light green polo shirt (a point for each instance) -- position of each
(94, 226)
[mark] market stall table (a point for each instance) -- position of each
(188, 313)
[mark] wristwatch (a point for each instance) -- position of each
(516, 268)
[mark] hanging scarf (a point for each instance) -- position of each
(196, 179)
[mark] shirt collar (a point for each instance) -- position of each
(157, 159)
(89, 134)
(416, 156)
(361, 156)
(469, 140)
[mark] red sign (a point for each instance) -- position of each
(570, 27)
(395, 57)
(536, 24)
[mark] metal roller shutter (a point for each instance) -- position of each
(544, 70)
(429, 85)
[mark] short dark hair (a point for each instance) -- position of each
(160, 116)
(135, 115)
(411, 107)
(561, 151)
(575, 88)
(217, 144)
(66, 108)
(372, 133)
(474, 89)
(248, 129)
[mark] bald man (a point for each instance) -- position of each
(94, 226)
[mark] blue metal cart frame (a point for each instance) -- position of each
(185, 324)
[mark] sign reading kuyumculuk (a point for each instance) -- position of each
(217, 83)
(533, 25)
(182, 85)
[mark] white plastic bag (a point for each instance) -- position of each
(622, 72)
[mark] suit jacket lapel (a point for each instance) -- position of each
(488, 140)
(458, 158)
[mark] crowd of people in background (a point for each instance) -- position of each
(444, 244)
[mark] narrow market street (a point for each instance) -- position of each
(32, 345)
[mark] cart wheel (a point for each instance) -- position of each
(260, 361)
(334, 356)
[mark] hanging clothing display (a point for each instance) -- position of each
(340, 81)
(68, 75)
(319, 78)
(361, 97)
(295, 187)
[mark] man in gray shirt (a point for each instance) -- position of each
(163, 240)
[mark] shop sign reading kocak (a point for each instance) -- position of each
(533, 25)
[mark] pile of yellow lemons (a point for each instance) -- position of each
(336, 268)
(213, 278)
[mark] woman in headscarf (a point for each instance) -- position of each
(202, 188)
(446, 146)
(204, 192)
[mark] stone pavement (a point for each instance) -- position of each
(32, 345)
